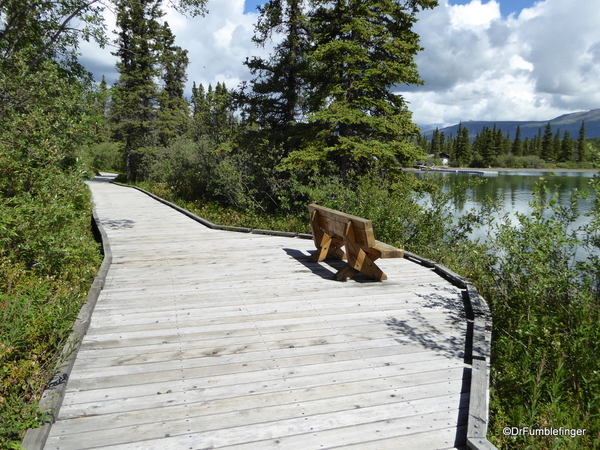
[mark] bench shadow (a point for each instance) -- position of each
(320, 269)
(119, 224)
(418, 329)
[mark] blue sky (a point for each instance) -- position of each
(506, 6)
(483, 59)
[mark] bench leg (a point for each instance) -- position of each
(358, 260)
(326, 245)
(362, 263)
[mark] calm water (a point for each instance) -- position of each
(514, 191)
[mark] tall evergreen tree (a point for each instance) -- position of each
(556, 145)
(483, 145)
(277, 92)
(213, 115)
(200, 112)
(274, 101)
(437, 142)
(581, 144)
(517, 145)
(462, 147)
(566, 148)
(362, 49)
(547, 149)
(136, 93)
(146, 52)
(173, 112)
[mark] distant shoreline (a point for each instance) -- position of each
(499, 169)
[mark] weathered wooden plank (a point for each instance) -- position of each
(434, 438)
(293, 403)
(280, 421)
(296, 342)
(146, 397)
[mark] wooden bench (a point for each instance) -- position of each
(333, 230)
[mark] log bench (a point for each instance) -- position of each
(332, 230)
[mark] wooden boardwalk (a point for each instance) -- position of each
(205, 339)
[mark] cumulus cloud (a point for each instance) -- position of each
(478, 65)
(217, 44)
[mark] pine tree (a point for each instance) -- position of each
(200, 112)
(556, 145)
(275, 98)
(173, 112)
(517, 146)
(483, 145)
(547, 147)
(581, 144)
(462, 147)
(362, 49)
(437, 142)
(136, 93)
(566, 148)
(143, 115)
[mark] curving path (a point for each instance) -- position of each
(206, 339)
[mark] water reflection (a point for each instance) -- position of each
(513, 191)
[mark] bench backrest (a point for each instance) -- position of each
(334, 222)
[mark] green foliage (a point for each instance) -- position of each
(105, 156)
(546, 327)
(213, 116)
(47, 252)
(144, 114)
(491, 148)
(197, 169)
(331, 80)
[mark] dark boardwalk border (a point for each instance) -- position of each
(53, 395)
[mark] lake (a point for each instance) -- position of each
(513, 189)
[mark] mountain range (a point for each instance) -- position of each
(567, 122)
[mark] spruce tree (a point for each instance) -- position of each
(200, 112)
(361, 50)
(136, 94)
(143, 115)
(547, 149)
(566, 148)
(556, 145)
(462, 146)
(275, 98)
(581, 144)
(517, 145)
(173, 112)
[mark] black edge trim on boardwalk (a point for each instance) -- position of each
(419, 259)
(274, 233)
(481, 340)
(213, 226)
(52, 398)
(478, 314)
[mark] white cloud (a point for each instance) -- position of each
(217, 44)
(478, 65)
(474, 15)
